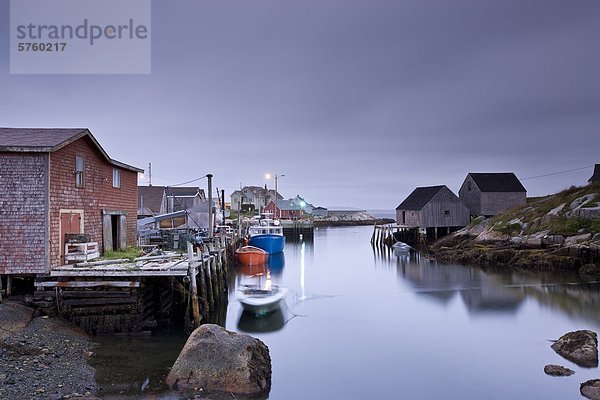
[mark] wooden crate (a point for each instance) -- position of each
(75, 252)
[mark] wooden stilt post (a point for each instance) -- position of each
(204, 289)
(373, 235)
(215, 282)
(1, 288)
(192, 272)
(210, 298)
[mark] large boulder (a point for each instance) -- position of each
(591, 389)
(214, 359)
(580, 347)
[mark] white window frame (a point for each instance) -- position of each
(79, 172)
(116, 176)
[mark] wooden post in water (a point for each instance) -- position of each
(203, 288)
(215, 282)
(210, 298)
(194, 285)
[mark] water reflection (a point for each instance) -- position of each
(484, 292)
(271, 322)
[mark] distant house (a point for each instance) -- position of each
(254, 196)
(293, 208)
(320, 212)
(432, 207)
(492, 193)
(285, 209)
(56, 182)
(596, 177)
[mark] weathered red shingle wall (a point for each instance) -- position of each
(96, 195)
(23, 203)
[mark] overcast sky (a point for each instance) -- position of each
(357, 102)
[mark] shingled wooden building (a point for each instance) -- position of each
(56, 182)
(595, 178)
(490, 194)
(432, 207)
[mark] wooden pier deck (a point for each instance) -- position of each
(132, 296)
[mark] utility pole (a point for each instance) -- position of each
(149, 174)
(210, 206)
(223, 205)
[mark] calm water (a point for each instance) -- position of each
(359, 324)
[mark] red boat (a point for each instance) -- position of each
(250, 255)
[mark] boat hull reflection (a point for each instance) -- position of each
(269, 323)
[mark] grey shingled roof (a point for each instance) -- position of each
(596, 176)
(38, 139)
(497, 182)
(185, 191)
(152, 196)
(419, 197)
(47, 140)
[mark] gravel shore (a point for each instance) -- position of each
(42, 357)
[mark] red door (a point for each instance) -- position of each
(69, 223)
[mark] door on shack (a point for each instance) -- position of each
(114, 230)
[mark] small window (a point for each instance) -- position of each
(446, 212)
(468, 185)
(79, 172)
(116, 178)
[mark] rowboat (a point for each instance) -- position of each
(260, 301)
(251, 255)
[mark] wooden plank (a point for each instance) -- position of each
(98, 302)
(70, 294)
(87, 284)
(103, 262)
(119, 273)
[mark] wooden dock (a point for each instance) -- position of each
(135, 296)
(298, 228)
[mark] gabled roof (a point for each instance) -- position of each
(497, 182)
(151, 196)
(420, 197)
(287, 205)
(596, 176)
(185, 191)
(48, 140)
(257, 191)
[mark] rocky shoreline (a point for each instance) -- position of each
(43, 357)
(580, 253)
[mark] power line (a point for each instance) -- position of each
(557, 173)
(193, 180)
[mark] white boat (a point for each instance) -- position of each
(259, 301)
(401, 248)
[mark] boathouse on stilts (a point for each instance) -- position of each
(427, 214)
(65, 202)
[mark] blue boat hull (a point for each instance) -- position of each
(270, 243)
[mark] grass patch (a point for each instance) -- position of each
(129, 253)
(507, 229)
(571, 226)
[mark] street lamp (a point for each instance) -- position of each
(268, 176)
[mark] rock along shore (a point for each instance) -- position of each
(42, 357)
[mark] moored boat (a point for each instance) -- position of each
(251, 255)
(267, 235)
(259, 301)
